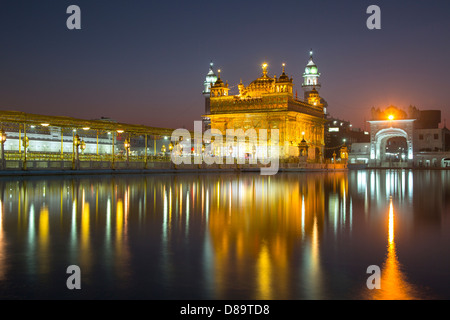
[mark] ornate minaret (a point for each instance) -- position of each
(310, 77)
(210, 80)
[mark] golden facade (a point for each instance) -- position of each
(269, 103)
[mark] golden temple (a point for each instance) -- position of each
(269, 103)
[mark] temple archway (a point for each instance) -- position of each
(384, 130)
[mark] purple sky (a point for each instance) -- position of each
(144, 62)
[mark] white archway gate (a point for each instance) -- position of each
(383, 130)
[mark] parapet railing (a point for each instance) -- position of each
(44, 156)
(66, 161)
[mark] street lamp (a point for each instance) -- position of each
(25, 142)
(76, 144)
(2, 136)
(344, 154)
(2, 141)
(127, 146)
(82, 145)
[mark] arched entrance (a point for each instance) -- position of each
(382, 132)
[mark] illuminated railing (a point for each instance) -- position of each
(43, 156)
(46, 160)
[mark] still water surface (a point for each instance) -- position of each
(228, 236)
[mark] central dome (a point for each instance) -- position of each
(262, 84)
(263, 81)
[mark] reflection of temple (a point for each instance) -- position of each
(266, 230)
(268, 103)
(240, 236)
(272, 243)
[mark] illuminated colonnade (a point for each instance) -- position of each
(25, 136)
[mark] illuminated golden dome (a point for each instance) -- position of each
(262, 84)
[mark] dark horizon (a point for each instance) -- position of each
(145, 62)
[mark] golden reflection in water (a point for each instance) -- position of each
(121, 249)
(264, 269)
(314, 272)
(119, 223)
(259, 231)
(394, 285)
(44, 239)
(266, 227)
(2, 245)
(85, 236)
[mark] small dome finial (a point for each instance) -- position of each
(264, 67)
(284, 65)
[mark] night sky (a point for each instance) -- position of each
(144, 62)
